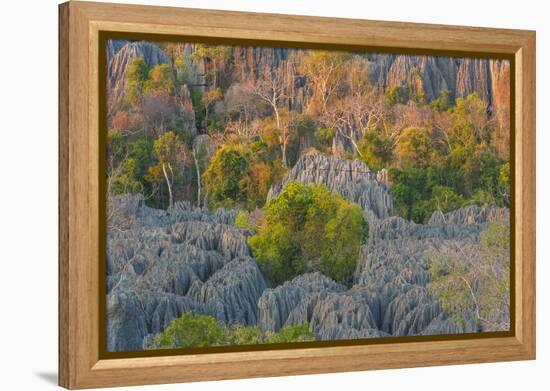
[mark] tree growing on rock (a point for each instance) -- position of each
(161, 81)
(136, 77)
(196, 330)
(189, 331)
(308, 228)
(210, 97)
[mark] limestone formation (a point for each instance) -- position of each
(232, 293)
(430, 76)
(132, 315)
(117, 66)
(485, 214)
(392, 267)
(276, 305)
(351, 178)
(166, 263)
(426, 75)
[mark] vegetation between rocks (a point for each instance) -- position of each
(195, 331)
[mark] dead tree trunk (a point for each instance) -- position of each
(198, 170)
(169, 184)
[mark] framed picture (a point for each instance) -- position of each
(247, 195)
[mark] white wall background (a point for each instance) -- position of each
(28, 196)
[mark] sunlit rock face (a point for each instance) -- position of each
(351, 178)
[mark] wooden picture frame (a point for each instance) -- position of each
(80, 242)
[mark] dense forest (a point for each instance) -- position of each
(227, 128)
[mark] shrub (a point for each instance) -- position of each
(294, 333)
(190, 331)
(398, 94)
(195, 330)
(376, 149)
(240, 335)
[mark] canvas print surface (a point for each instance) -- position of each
(261, 195)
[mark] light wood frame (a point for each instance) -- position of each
(79, 25)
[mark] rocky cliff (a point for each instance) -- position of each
(426, 75)
(351, 178)
(431, 75)
(119, 58)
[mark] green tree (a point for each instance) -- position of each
(212, 56)
(411, 186)
(160, 82)
(122, 181)
(308, 228)
(442, 198)
(141, 151)
(196, 330)
(190, 331)
(376, 150)
(121, 167)
(343, 234)
(210, 97)
(414, 147)
(181, 65)
(227, 177)
(241, 335)
(445, 199)
(243, 221)
(136, 78)
(398, 95)
(171, 156)
(442, 102)
(323, 138)
(504, 182)
(115, 148)
(471, 124)
(294, 333)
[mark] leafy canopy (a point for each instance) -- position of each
(414, 147)
(309, 228)
(240, 176)
(161, 81)
(226, 179)
(135, 80)
(190, 331)
(196, 330)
